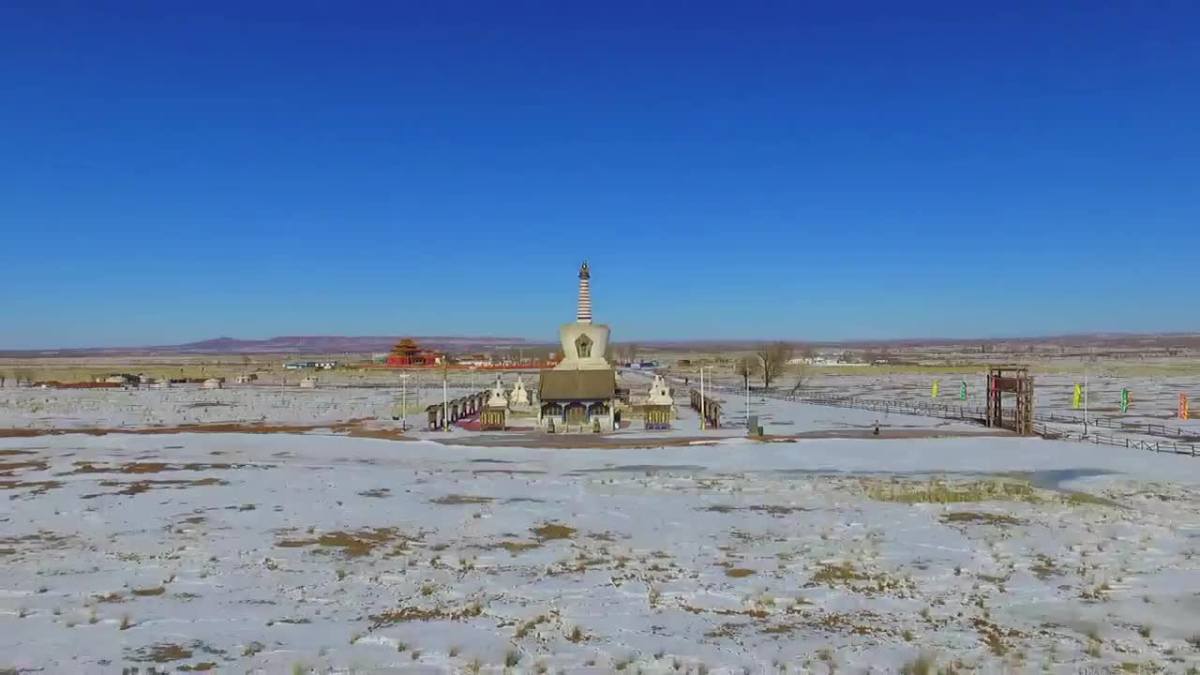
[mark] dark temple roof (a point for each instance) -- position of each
(577, 385)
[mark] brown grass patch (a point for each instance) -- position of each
(407, 614)
(36, 465)
(161, 652)
(515, 547)
(993, 635)
(110, 597)
(738, 572)
(833, 574)
(149, 592)
(771, 509)
(845, 575)
(1044, 568)
(35, 487)
(938, 491)
(981, 518)
(454, 500)
(140, 486)
(157, 467)
(351, 544)
(553, 531)
(14, 453)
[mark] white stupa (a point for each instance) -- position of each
(660, 393)
(519, 396)
(497, 399)
(584, 343)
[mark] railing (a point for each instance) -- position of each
(1125, 442)
(978, 414)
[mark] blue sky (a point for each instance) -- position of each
(176, 171)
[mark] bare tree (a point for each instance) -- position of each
(772, 359)
(631, 350)
(801, 378)
(746, 367)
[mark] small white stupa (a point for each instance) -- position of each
(497, 398)
(519, 396)
(660, 393)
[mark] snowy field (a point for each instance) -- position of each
(282, 552)
(35, 408)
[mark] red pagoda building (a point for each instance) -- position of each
(407, 353)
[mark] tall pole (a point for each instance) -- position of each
(747, 402)
(445, 400)
(703, 420)
(403, 401)
(1087, 361)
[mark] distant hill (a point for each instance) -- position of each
(343, 344)
(288, 344)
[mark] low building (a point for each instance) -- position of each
(119, 378)
(310, 365)
(213, 383)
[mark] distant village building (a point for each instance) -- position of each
(308, 383)
(246, 379)
(213, 383)
(580, 392)
(119, 378)
(310, 365)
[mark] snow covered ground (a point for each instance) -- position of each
(35, 408)
(238, 551)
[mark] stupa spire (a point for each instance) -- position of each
(584, 313)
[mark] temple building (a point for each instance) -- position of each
(579, 394)
(495, 411)
(407, 353)
(660, 405)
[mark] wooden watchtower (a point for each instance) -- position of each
(1014, 380)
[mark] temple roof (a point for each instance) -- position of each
(577, 385)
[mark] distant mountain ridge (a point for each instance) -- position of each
(373, 344)
(285, 344)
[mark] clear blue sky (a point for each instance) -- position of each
(172, 171)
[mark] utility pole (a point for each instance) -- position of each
(403, 401)
(445, 399)
(703, 419)
(1086, 362)
(747, 402)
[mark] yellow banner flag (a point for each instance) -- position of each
(1183, 406)
(1077, 400)
(936, 388)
